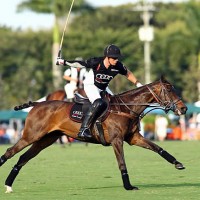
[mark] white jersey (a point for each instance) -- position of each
(73, 73)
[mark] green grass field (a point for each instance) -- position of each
(91, 173)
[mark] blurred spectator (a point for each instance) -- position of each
(192, 128)
(12, 134)
(177, 132)
(149, 131)
(74, 77)
(198, 121)
(161, 124)
(4, 138)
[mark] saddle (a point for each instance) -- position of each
(80, 108)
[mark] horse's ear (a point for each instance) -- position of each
(162, 78)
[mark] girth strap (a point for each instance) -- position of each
(100, 132)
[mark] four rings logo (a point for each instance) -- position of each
(104, 77)
(77, 114)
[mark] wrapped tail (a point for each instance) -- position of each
(25, 105)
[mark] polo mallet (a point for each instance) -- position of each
(63, 34)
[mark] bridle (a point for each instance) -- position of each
(166, 103)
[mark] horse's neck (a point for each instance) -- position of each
(138, 95)
(137, 99)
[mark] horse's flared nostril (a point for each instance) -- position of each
(183, 110)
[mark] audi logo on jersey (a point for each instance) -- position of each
(104, 77)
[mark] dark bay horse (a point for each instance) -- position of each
(50, 119)
(57, 95)
(61, 94)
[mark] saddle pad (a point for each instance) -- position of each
(76, 113)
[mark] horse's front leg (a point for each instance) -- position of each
(117, 145)
(139, 140)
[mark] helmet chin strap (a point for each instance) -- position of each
(107, 62)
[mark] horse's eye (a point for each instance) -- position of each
(169, 88)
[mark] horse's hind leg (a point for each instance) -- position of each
(139, 140)
(33, 151)
(21, 144)
(28, 138)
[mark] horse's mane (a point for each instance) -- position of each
(135, 91)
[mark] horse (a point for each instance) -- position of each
(61, 94)
(48, 120)
(57, 95)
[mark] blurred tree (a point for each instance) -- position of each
(25, 68)
(192, 75)
(176, 46)
(59, 8)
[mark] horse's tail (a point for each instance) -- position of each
(25, 105)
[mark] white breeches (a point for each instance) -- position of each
(93, 92)
(69, 89)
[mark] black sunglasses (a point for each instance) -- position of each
(114, 58)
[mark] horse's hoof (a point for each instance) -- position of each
(135, 188)
(179, 166)
(8, 189)
(130, 187)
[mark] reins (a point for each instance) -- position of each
(164, 105)
(133, 114)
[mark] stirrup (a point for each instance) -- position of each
(84, 133)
